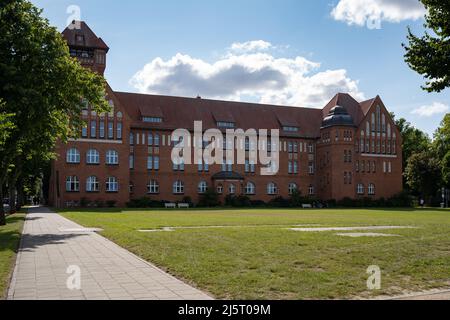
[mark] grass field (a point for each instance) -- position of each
(258, 257)
(9, 243)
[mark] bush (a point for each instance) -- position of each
(237, 201)
(99, 203)
(145, 202)
(111, 203)
(84, 202)
(209, 199)
(257, 203)
(188, 200)
(280, 202)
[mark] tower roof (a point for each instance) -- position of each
(83, 37)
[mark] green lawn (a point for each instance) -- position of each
(259, 258)
(9, 243)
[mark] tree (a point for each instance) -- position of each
(414, 141)
(42, 86)
(423, 174)
(441, 146)
(429, 55)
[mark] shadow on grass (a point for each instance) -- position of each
(9, 241)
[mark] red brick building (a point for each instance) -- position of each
(347, 149)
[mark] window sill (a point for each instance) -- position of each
(112, 191)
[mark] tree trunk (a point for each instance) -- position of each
(2, 210)
(20, 195)
(12, 196)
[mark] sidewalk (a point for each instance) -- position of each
(51, 243)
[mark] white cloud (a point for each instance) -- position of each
(251, 46)
(431, 110)
(358, 12)
(256, 76)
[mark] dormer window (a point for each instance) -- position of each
(79, 38)
(152, 119)
(224, 124)
(290, 129)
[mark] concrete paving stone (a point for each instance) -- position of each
(107, 271)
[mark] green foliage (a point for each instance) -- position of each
(240, 201)
(423, 174)
(429, 55)
(145, 202)
(209, 199)
(42, 88)
(414, 140)
(111, 203)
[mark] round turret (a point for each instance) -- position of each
(338, 116)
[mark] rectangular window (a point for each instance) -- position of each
(290, 129)
(84, 132)
(152, 119)
(93, 129)
(295, 167)
(224, 124)
(110, 130)
(119, 130)
(150, 163)
(311, 168)
(102, 130)
(131, 161)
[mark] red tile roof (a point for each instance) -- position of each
(90, 39)
(181, 112)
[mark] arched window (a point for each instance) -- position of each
(367, 129)
(112, 185)
(272, 188)
(360, 189)
(371, 189)
(389, 131)
(202, 187)
(92, 184)
(73, 156)
(311, 190)
(92, 157)
(119, 130)
(378, 119)
(112, 157)
(394, 143)
(119, 115)
(362, 142)
(178, 187)
(383, 123)
(220, 189)
(250, 188)
(72, 184)
(292, 188)
(153, 187)
(373, 122)
(231, 189)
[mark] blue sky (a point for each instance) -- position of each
(307, 50)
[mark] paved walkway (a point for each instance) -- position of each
(51, 243)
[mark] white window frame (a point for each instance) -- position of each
(153, 187)
(202, 187)
(92, 184)
(250, 188)
(272, 188)
(112, 157)
(112, 184)
(73, 155)
(92, 156)
(178, 187)
(72, 184)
